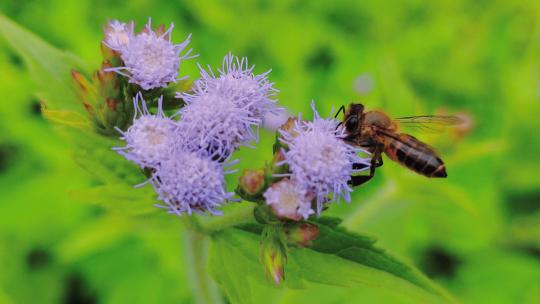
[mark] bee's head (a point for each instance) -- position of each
(353, 117)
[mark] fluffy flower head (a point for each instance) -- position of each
(118, 34)
(213, 123)
(288, 201)
(152, 60)
(237, 82)
(190, 182)
(320, 162)
(150, 137)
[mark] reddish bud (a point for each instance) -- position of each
(252, 184)
(252, 181)
(302, 234)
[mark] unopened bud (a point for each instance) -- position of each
(273, 253)
(287, 127)
(252, 184)
(301, 234)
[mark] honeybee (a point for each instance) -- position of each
(376, 132)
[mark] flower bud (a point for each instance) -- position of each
(101, 98)
(252, 184)
(273, 253)
(289, 128)
(301, 234)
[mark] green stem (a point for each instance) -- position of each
(240, 214)
(196, 252)
(196, 248)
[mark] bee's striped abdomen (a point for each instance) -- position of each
(415, 155)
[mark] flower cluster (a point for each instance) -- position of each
(185, 154)
(186, 181)
(184, 151)
(320, 165)
(182, 136)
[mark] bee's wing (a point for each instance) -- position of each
(429, 123)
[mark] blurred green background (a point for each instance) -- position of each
(476, 233)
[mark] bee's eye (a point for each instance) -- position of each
(352, 123)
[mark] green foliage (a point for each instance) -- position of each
(50, 67)
(459, 56)
(336, 257)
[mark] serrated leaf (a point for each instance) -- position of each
(337, 257)
(50, 68)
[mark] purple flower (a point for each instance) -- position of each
(224, 111)
(118, 34)
(288, 201)
(237, 82)
(320, 162)
(190, 182)
(213, 123)
(151, 60)
(150, 137)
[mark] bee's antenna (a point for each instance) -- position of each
(342, 108)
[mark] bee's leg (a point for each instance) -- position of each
(376, 161)
(357, 180)
(342, 108)
(379, 161)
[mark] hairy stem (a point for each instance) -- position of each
(203, 287)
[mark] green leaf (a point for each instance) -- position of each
(119, 197)
(337, 258)
(50, 68)
(68, 118)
